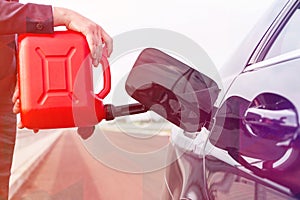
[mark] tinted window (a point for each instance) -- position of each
(288, 39)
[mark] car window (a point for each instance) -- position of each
(288, 39)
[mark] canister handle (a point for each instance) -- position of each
(106, 75)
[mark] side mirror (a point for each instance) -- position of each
(172, 89)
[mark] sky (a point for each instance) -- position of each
(217, 25)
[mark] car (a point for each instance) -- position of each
(238, 138)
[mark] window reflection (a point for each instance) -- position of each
(288, 39)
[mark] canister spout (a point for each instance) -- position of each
(123, 110)
(111, 112)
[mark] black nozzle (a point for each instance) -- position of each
(124, 110)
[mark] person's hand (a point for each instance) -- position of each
(95, 35)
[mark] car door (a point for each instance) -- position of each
(257, 125)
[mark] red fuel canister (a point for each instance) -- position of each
(55, 81)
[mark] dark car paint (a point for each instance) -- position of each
(207, 177)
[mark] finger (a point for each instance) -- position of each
(98, 53)
(99, 46)
(16, 107)
(90, 42)
(108, 42)
(20, 125)
(16, 94)
(95, 48)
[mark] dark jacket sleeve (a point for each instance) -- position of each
(25, 18)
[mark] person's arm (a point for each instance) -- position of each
(95, 34)
(18, 18)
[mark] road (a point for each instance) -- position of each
(69, 172)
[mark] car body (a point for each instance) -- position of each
(251, 148)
